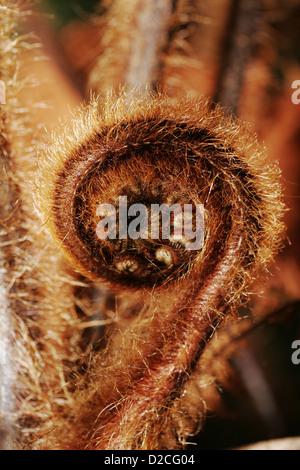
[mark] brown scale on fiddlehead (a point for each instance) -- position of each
(155, 150)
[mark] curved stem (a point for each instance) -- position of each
(186, 333)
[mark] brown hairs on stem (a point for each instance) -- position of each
(37, 318)
(159, 150)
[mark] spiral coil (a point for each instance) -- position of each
(156, 150)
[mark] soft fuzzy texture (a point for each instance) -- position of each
(131, 389)
(37, 306)
(186, 150)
